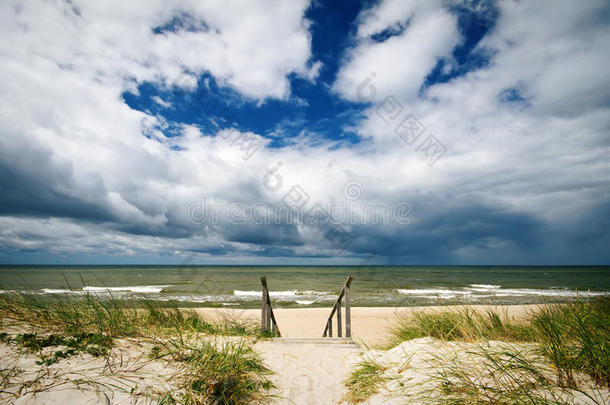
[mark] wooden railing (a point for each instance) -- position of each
(267, 317)
(337, 309)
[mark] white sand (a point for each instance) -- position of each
(370, 325)
(305, 373)
(412, 365)
(308, 373)
(129, 377)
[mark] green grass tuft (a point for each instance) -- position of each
(498, 377)
(459, 324)
(75, 314)
(365, 381)
(94, 344)
(574, 337)
(227, 373)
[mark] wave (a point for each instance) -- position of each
(241, 293)
(497, 291)
(486, 286)
(59, 291)
(140, 289)
(280, 294)
(137, 289)
(505, 292)
(441, 292)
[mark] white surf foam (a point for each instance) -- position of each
(433, 292)
(505, 292)
(496, 291)
(288, 295)
(241, 293)
(486, 286)
(60, 291)
(139, 289)
(136, 289)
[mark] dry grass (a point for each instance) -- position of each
(209, 373)
(569, 340)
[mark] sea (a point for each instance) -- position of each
(313, 286)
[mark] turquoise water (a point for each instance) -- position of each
(314, 286)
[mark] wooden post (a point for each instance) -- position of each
(345, 292)
(339, 329)
(348, 319)
(268, 312)
(264, 306)
(267, 318)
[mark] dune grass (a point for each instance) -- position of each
(570, 339)
(229, 372)
(460, 324)
(218, 373)
(365, 381)
(573, 336)
(75, 314)
(576, 337)
(497, 376)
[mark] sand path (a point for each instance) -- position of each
(308, 373)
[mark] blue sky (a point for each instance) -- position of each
(323, 132)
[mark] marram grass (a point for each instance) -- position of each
(71, 313)
(570, 338)
(210, 372)
(365, 381)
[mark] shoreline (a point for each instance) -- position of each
(370, 325)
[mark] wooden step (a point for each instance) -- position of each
(335, 342)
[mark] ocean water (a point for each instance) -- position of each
(314, 286)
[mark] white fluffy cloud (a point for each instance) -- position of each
(399, 64)
(78, 174)
(542, 157)
(250, 46)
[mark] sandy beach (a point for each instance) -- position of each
(370, 325)
(306, 369)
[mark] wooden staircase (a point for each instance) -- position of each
(269, 324)
(339, 343)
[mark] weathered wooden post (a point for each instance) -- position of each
(337, 308)
(339, 329)
(348, 319)
(264, 309)
(267, 318)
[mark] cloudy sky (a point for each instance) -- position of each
(414, 132)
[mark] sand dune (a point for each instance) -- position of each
(305, 372)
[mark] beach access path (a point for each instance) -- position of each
(309, 369)
(308, 372)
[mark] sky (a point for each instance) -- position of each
(305, 132)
